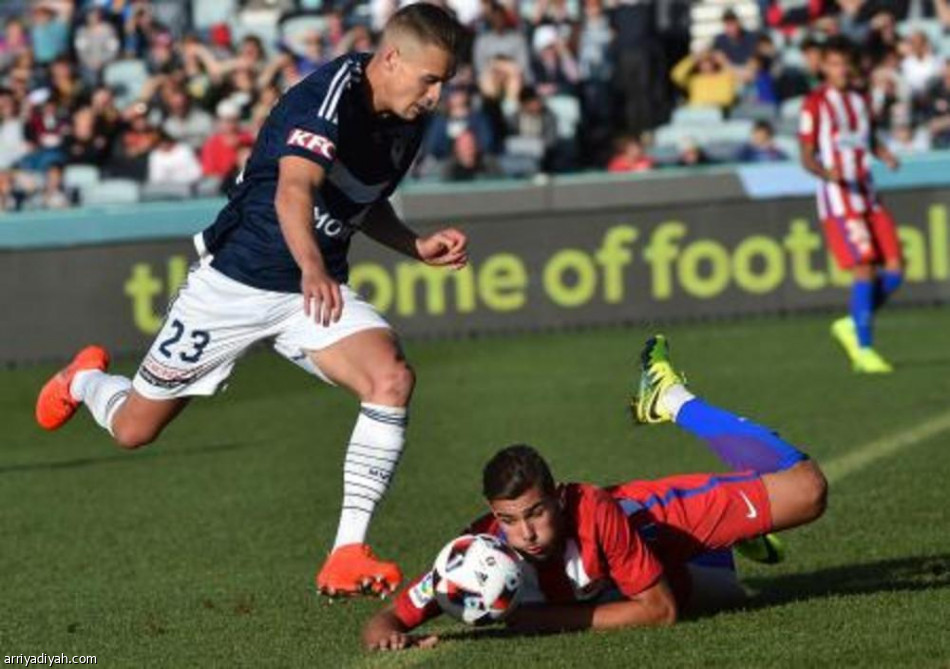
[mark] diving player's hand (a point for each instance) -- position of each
(448, 247)
(322, 300)
(401, 641)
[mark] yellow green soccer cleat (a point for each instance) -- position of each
(869, 361)
(765, 549)
(656, 375)
(846, 334)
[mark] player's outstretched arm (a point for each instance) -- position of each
(654, 607)
(385, 631)
(447, 247)
(298, 179)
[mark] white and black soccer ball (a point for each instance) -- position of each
(477, 579)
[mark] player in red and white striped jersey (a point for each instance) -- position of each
(838, 139)
(639, 553)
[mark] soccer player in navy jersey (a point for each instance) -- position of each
(273, 266)
(639, 553)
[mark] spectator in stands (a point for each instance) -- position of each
(9, 198)
(266, 99)
(596, 72)
(708, 79)
(639, 65)
(172, 162)
(761, 147)
(223, 154)
(883, 38)
(795, 82)
(13, 144)
(96, 44)
(13, 42)
(185, 121)
(735, 42)
(139, 28)
(502, 42)
(53, 194)
(64, 87)
(554, 13)
(137, 138)
(467, 160)
(905, 141)
(691, 154)
(49, 33)
(889, 95)
(553, 67)
(456, 118)
(937, 110)
(630, 156)
(535, 126)
(46, 133)
(162, 59)
(760, 87)
(920, 66)
(854, 19)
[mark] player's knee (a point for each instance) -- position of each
(133, 436)
(393, 385)
(814, 491)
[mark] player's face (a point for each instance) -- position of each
(418, 72)
(531, 522)
(836, 68)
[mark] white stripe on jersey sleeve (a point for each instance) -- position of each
(332, 87)
(330, 113)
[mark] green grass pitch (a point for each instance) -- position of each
(200, 550)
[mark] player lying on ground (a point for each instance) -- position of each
(274, 267)
(637, 553)
(838, 139)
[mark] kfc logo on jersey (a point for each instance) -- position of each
(312, 142)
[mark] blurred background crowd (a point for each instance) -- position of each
(130, 100)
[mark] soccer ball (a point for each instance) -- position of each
(477, 579)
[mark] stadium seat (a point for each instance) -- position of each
(791, 108)
(567, 109)
(931, 28)
(80, 176)
(789, 145)
(165, 191)
(665, 154)
(295, 27)
(125, 78)
(111, 191)
(731, 131)
(206, 13)
(722, 152)
(793, 57)
(754, 112)
(696, 115)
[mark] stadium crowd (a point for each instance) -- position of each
(133, 89)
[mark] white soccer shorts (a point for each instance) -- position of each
(215, 319)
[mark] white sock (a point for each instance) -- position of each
(674, 397)
(102, 394)
(371, 459)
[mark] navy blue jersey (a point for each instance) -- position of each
(326, 118)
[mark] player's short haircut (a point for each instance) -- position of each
(839, 45)
(514, 470)
(429, 25)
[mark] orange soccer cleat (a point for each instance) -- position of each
(352, 569)
(55, 405)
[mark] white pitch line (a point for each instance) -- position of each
(871, 452)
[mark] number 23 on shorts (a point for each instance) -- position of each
(194, 345)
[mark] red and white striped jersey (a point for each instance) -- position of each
(840, 126)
